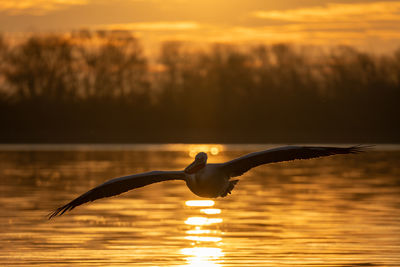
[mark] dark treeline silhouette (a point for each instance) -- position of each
(100, 87)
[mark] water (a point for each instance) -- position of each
(337, 211)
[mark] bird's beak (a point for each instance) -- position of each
(195, 166)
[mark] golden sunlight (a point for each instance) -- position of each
(200, 203)
(202, 256)
(366, 24)
(154, 26)
(37, 7)
(212, 149)
(210, 211)
(199, 231)
(203, 252)
(202, 221)
(350, 12)
(204, 238)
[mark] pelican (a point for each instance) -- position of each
(208, 180)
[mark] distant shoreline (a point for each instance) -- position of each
(224, 94)
(168, 147)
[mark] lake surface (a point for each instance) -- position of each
(337, 211)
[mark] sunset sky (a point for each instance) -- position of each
(372, 25)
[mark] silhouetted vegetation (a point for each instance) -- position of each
(100, 87)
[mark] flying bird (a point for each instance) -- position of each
(209, 180)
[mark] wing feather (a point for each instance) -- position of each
(241, 165)
(119, 185)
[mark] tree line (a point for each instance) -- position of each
(102, 87)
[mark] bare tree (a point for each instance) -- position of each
(42, 67)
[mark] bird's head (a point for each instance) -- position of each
(199, 163)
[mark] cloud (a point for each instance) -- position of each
(155, 26)
(368, 24)
(371, 24)
(36, 7)
(352, 12)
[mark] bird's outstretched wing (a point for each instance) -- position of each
(241, 165)
(120, 185)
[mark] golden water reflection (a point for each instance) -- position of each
(199, 231)
(322, 212)
(205, 250)
(210, 211)
(202, 220)
(204, 238)
(203, 256)
(213, 149)
(200, 203)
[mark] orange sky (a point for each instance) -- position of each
(373, 25)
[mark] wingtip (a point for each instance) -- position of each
(59, 211)
(52, 214)
(359, 149)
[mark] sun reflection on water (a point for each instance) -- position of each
(212, 149)
(204, 238)
(200, 203)
(202, 220)
(210, 211)
(199, 231)
(206, 242)
(203, 256)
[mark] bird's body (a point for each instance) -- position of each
(210, 181)
(204, 179)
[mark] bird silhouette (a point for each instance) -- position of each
(209, 180)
